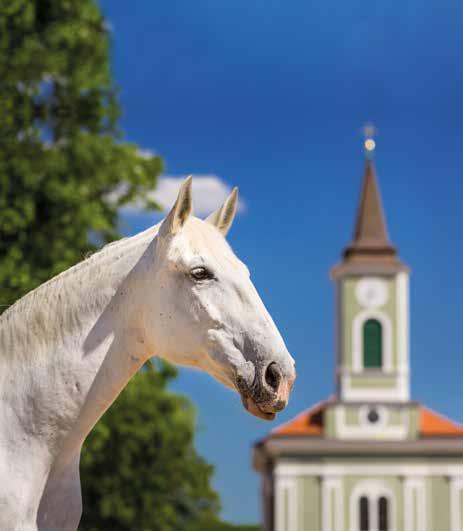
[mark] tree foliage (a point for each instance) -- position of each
(161, 482)
(64, 171)
(223, 526)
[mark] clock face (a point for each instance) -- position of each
(372, 292)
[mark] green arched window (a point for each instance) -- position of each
(372, 344)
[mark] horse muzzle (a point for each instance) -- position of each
(268, 392)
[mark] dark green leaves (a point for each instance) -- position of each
(61, 155)
(139, 467)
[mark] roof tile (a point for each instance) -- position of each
(309, 422)
(433, 424)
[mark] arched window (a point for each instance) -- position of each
(383, 514)
(374, 512)
(364, 514)
(372, 344)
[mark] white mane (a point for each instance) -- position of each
(53, 310)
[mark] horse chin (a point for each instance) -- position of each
(255, 410)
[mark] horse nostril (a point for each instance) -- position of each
(273, 376)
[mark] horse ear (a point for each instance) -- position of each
(180, 211)
(223, 217)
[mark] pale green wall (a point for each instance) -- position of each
(439, 512)
(392, 483)
(370, 380)
(309, 497)
(329, 424)
(415, 423)
(351, 308)
(437, 495)
(352, 417)
(309, 503)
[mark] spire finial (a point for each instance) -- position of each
(369, 131)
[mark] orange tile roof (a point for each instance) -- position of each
(310, 423)
(433, 424)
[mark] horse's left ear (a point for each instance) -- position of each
(223, 217)
(180, 211)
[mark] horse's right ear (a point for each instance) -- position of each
(180, 211)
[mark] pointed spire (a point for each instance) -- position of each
(370, 227)
(370, 242)
(370, 250)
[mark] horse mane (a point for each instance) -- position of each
(55, 308)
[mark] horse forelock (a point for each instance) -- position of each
(204, 238)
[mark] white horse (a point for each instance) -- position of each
(69, 347)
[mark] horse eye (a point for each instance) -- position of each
(201, 273)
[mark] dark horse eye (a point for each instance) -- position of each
(201, 273)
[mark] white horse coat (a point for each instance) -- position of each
(69, 347)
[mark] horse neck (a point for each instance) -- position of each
(48, 316)
(74, 343)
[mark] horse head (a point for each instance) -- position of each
(207, 312)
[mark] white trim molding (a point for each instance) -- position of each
(332, 495)
(285, 503)
(449, 469)
(373, 490)
(357, 339)
(400, 392)
(456, 491)
(415, 505)
(403, 322)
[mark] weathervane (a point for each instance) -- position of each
(369, 144)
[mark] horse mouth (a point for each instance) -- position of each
(256, 410)
(259, 401)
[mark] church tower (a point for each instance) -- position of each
(372, 322)
(368, 458)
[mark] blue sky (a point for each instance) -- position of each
(271, 96)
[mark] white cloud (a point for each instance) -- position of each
(146, 153)
(209, 192)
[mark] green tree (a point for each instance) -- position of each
(217, 525)
(139, 467)
(61, 155)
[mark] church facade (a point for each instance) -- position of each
(369, 458)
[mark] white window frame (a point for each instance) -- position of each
(373, 490)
